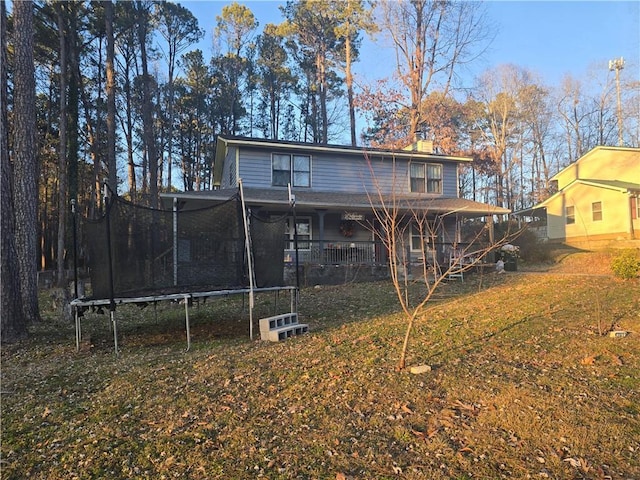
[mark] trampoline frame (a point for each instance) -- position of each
(79, 304)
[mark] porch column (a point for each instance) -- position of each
(321, 214)
(490, 225)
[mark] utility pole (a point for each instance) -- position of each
(617, 65)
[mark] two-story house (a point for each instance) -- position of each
(596, 199)
(336, 191)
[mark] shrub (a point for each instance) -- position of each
(626, 264)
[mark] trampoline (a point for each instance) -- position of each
(141, 255)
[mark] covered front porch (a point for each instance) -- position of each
(345, 233)
(329, 238)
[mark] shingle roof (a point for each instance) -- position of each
(349, 201)
(614, 184)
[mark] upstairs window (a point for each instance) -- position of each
(570, 214)
(290, 169)
(596, 211)
(425, 178)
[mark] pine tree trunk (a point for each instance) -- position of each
(25, 162)
(147, 107)
(111, 97)
(349, 82)
(63, 178)
(12, 322)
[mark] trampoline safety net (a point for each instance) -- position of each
(169, 251)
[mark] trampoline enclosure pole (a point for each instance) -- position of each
(175, 241)
(112, 303)
(247, 244)
(292, 204)
(109, 202)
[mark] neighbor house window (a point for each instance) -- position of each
(596, 211)
(570, 213)
(291, 169)
(425, 177)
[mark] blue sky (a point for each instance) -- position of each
(548, 37)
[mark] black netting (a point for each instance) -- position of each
(268, 243)
(165, 251)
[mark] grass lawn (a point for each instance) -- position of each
(522, 386)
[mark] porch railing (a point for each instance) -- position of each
(336, 253)
(369, 253)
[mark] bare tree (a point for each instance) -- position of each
(432, 40)
(572, 109)
(500, 92)
(403, 223)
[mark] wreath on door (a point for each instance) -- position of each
(346, 228)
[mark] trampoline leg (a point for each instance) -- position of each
(186, 322)
(276, 295)
(293, 307)
(112, 314)
(78, 332)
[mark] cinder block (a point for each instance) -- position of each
(278, 321)
(282, 333)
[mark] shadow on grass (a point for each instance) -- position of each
(476, 345)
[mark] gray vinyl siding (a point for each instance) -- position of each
(340, 173)
(450, 179)
(229, 175)
(255, 168)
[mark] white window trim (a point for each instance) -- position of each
(426, 177)
(291, 169)
(595, 211)
(413, 233)
(291, 233)
(566, 215)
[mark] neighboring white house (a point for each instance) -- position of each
(597, 199)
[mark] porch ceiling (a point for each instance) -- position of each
(346, 201)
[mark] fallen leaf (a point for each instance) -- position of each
(588, 360)
(406, 409)
(616, 359)
(463, 406)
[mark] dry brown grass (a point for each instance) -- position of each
(522, 386)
